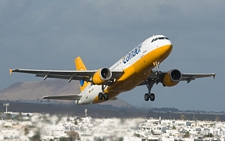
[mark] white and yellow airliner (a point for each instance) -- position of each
(134, 69)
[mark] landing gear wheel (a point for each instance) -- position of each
(146, 97)
(158, 73)
(152, 97)
(100, 96)
(106, 96)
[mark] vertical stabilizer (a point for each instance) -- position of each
(80, 66)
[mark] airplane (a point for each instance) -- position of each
(133, 69)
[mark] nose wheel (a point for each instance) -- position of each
(150, 96)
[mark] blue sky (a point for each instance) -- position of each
(50, 34)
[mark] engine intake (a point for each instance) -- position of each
(172, 78)
(102, 76)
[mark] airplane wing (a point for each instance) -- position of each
(191, 76)
(64, 97)
(184, 77)
(66, 74)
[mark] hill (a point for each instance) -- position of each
(34, 91)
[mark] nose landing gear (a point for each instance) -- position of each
(149, 83)
(150, 96)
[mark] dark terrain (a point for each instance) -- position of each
(106, 111)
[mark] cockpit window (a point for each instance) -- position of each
(160, 38)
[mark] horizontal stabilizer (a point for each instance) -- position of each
(64, 97)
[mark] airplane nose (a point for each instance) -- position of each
(170, 47)
(167, 48)
(164, 51)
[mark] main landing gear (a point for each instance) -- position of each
(102, 96)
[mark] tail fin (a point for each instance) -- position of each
(80, 66)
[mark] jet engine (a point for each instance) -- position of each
(102, 76)
(172, 78)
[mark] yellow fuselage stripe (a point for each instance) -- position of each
(137, 72)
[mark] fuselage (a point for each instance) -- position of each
(136, 65)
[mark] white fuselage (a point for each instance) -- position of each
(137, 65)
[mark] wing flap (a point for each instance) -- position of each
(64, 97)
(61, 76)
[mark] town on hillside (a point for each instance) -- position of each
(48, 127)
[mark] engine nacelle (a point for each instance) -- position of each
(102, 76)
(172, 78)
